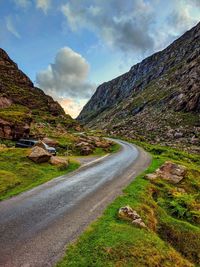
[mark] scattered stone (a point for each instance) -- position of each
(180, 190)
(78, 128)
(85, 148)
(2, 146)
(102, 144)
(60, 162)
(39, 155)
(128, 214)
(151, 176)
(178, 135)
(169, 171)
(195, 140)
(5, 102)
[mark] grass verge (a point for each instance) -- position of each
(171, 213)
(18, 173)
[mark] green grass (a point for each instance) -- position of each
(173, 235)
(15, 114)
(102, 151)
(18, 173)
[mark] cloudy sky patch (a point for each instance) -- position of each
(68, 47)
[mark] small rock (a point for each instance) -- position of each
(102, 144)
(151, 176)
(60, 162)
(127, 213)
(85, 148)
(39, 155)
(180, 190)
(178, 135)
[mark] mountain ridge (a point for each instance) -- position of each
(164, 86)
(24, 106)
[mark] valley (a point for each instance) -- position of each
(117, 186)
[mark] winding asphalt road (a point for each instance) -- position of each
(36, 226)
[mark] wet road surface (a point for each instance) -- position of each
(36, 226)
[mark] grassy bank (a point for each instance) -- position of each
(18, 173)
(171, 213)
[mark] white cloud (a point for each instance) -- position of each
(66, 78)
(124, 26)
(43, 4)
(11, 28)
(181, 20)
(22, 3)
(71, 106)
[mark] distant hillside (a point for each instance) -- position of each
(157, 100)
(23, 107)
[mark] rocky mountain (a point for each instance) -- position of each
(22, 105)
(157, 100)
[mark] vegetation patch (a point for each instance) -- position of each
(170, 211)
(18, 173)
(15, 114)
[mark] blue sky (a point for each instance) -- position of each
(69, 47)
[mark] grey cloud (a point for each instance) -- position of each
(67, 76)
(195, 2)
(126, 26)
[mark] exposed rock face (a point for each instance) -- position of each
(17, 88)
(20, 100)
(5, 102)
(12, 130)
(39, 155)
(127, 213)
(170, 171)
(158, 95)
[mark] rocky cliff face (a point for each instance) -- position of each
(17, 88)
(21, 103)
(158, 99)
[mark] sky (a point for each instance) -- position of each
(69, 47)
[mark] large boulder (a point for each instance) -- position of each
(50, 142)
(128, 214)
(170, 171)
(59, 162)
(39, 155)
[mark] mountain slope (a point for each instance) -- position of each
(158, 99)
(21, 103)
